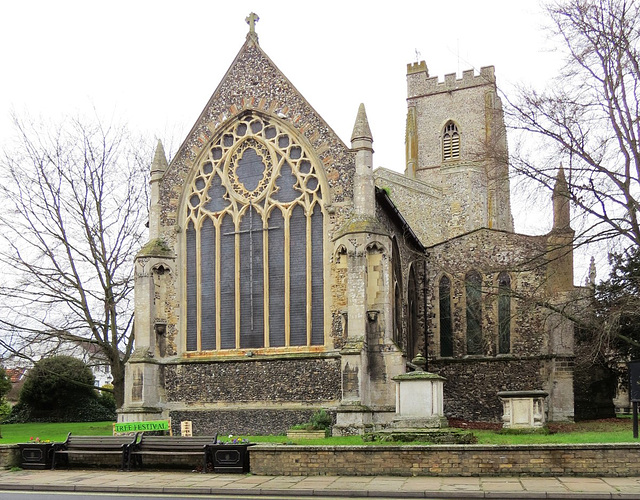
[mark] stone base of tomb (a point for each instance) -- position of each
(140, 414)
(523, 409)
(436, 436)
(356, 419)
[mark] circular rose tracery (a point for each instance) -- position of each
(250, 169)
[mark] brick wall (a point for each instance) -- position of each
(440, 460)
(9, 455)
(608, 460)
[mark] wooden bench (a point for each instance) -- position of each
(94, 445)
(171, 445)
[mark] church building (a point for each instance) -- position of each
(284, 275)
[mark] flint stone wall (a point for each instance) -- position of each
(472, 385)
(311, 381)
(473, 381)
(261, 422)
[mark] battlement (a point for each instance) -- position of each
(417, 67)
(419, 83)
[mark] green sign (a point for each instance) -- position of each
(151, 425)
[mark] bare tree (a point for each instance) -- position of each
(72, 217)
(588, 119)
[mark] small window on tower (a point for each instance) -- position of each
(450, 142)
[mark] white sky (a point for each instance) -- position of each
(154, 64)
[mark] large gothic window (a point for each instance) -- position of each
(254, 243)
(473, 289)
(397, 296)
(450, 142)
(412, 315)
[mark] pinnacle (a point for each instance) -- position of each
(361, 128)
(560, 186)
(159, 163)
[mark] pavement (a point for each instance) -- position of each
(390, 487)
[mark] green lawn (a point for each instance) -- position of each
(22, 433)
(614, 436)
(618, 430)
(613, 430)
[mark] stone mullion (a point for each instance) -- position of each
(265, 274)
(237, 279)
(184, 268)
(218, 299)
(197, 227)
(309, 272)
(287, 279)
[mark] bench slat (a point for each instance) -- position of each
(94, 445)
(162, 445)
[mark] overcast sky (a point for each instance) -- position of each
(154, 64)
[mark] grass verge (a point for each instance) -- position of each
(614, 430)
(22, 433)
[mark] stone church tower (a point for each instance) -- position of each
(283, 275)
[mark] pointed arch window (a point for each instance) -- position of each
(446, 330)
(254, 242)
(473, 289)
(504, 313)
(397, 296)
(412, 315)
(450, 142)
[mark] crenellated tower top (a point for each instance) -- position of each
(419, 83)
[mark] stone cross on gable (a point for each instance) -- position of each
(252, 19)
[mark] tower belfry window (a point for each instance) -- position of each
(450, 142)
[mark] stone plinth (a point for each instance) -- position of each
(523, 409)
(419, 400)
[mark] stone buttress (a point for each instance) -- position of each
(369, 358)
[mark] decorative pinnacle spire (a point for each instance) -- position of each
(591, 280)
(560, 187)
(361, 128)
(561, 205)
(251, 20)
(159, 163)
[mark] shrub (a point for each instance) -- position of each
(5, 409)
(320, 420)
(19, 413)
(60, 389)
(5, 383)
(107, 399)
(57, 382)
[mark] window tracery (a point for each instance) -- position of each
(254, 242)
